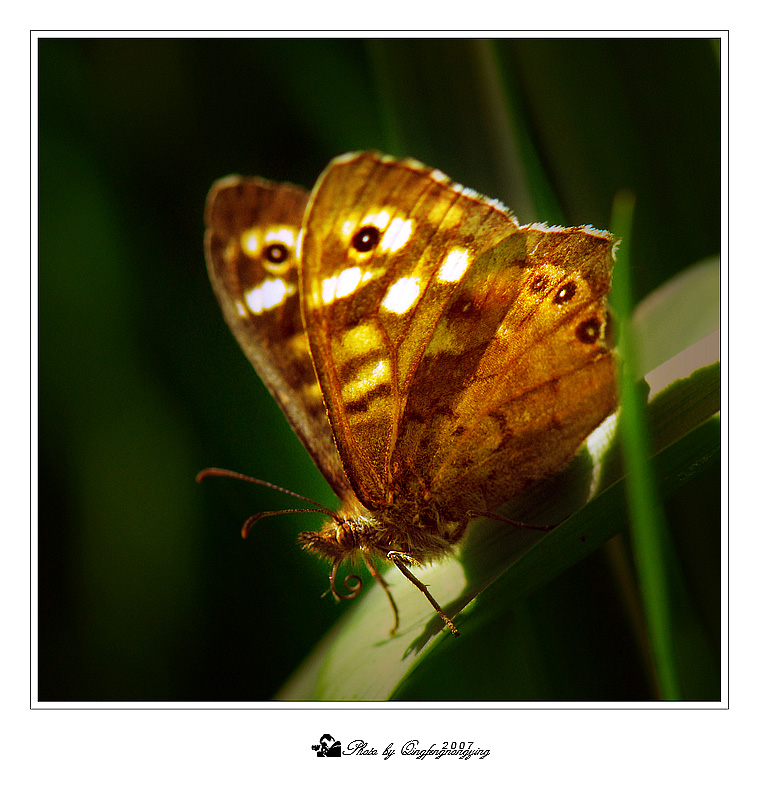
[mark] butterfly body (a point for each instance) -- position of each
(434, 356)
(404, 526)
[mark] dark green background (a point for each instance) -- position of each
(147, 591)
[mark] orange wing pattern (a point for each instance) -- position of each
(460, 356)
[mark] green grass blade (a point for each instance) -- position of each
(647, 522)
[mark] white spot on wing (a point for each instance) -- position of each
(342, 285)
(379, 219)
(268, 294)
(347, 281)
(402, 295)
(283, 235)
(347, 228)
(455, 265)
(397, 235)
(250, 243)
(328, 289)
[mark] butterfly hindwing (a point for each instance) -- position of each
(252, 226)
(523, 371)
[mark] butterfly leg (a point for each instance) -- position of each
(470, 515)
(398, 559)
(383, 583)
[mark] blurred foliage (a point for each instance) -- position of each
(146, 590)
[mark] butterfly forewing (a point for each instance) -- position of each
(385, 245)
(252, 226)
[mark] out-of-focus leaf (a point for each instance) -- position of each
(678, 315)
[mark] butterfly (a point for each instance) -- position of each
(434, 357)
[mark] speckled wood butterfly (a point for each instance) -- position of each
(434, 356)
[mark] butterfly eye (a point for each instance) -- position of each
(276, 253)
(366, 239)
(565, 294)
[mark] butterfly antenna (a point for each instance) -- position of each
(353, 589)
(216, 472)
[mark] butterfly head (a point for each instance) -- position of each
(339, 538)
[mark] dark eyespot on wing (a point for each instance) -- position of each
(565, 293)
(589, 330)
(366, 239)
(276, 253)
